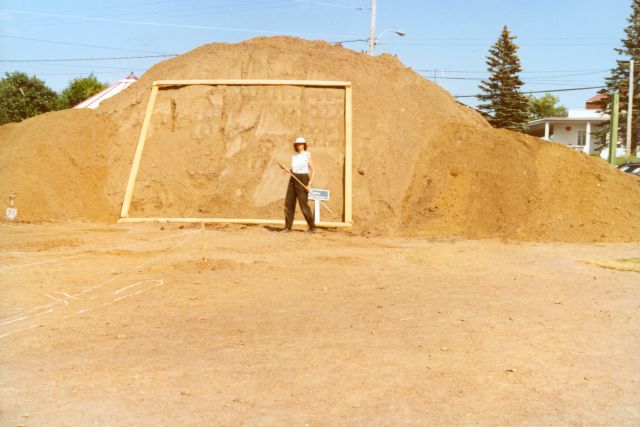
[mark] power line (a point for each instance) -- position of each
(67, 65)
(182, 26)
(541, 91)
(560, 73)
(350, 41)
(89, 59)
(127, 4)
(556, 79)
(211, 10)
(95, 73)
(235, 7)
(324, 3)
(232, 7)
(493, 39)
(488, 44)
(527, 81)
(78, 44)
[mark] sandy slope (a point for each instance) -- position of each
(423, 164)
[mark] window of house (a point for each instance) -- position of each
(582, 137)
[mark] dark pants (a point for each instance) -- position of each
(297, 191)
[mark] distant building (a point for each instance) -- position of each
(107, 93)
(578, 130)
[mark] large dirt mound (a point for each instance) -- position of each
(423, 164)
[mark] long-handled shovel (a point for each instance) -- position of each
(300, 182)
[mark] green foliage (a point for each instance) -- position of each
(504, 105)
(620, 160)
(78, 90)
(22, 97)
(545, 106)
(618, 80)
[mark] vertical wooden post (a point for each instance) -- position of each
(630, 111)
(348, 180)
(204, 245)
(138, 155)
(613, 137)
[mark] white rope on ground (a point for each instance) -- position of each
(154, 284)
(15, 317)
(94, 251)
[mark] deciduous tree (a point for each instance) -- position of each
(22, 97)
(78, 90)
(545, 106)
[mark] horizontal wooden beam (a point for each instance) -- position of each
(307, 83)
(322, 224)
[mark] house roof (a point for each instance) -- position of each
(552, 120)
(598, 97)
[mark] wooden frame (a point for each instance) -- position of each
(348, 129)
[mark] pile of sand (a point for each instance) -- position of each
(423, 164)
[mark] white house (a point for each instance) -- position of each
(578, 130)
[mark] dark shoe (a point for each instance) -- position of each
(311, 230)
(285, 230)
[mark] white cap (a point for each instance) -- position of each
(300, 140)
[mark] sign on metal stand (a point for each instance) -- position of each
(317, 195)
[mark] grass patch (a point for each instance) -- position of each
(621, 264)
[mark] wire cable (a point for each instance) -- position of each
(90, 59)
(7, 36)
(182, 26)
(541, 91)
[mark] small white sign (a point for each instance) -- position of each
(317, 194)
(11, 213)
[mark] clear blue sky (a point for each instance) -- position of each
(563, 43)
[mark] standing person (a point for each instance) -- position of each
(302, 168)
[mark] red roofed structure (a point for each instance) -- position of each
(595, 102)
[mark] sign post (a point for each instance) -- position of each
(317, 195)
(11, 212)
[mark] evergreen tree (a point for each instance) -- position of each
(22, 97)
(78, 90)
(504, 105)
(619, 78)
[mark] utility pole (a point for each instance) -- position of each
(613, 137)
(372, 29)
(630, 110)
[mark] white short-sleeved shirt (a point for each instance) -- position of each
(300, 162)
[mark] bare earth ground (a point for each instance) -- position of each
(109, 325)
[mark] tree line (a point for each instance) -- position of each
(22, 96)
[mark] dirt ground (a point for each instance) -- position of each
(126, 325)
